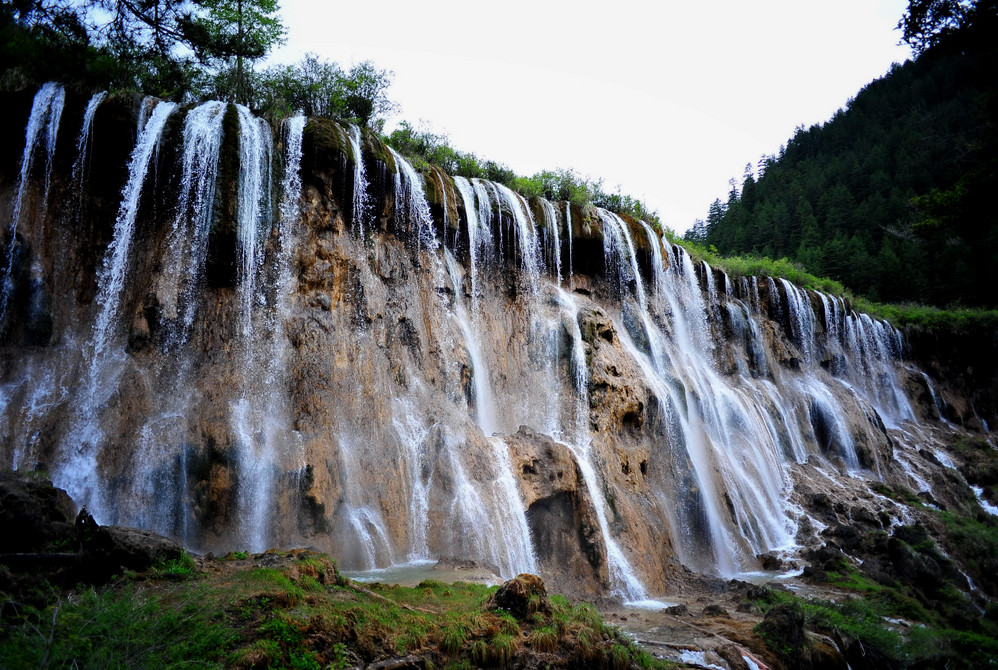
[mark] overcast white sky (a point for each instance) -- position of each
(668, 100)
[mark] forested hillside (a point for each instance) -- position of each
(894, 195)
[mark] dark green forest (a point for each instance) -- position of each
(894, 196)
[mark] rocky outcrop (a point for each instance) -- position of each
(41, 541)
(389, 388)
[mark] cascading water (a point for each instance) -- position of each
(412, 209)
(569, 235)
(359, 180)
(188, 239)
(157, 496)
(81, 164)
(43, 125)
(259, 416)
(552, 237)
(78, 472)
(531, 260)
(363, 391)
(252, 228)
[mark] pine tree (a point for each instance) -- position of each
(234, 32)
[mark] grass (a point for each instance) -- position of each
(866, 620)
(178, 568)
(926, 317)
(299, 613)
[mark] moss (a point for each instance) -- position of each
(373, 145)
(327, 138)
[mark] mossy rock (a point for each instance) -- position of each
(372, 144)
(328, 138)
(440, 190)
(521, 596)
(586, 223)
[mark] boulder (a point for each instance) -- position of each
(521, 596)
(35, 515)
(133, 548)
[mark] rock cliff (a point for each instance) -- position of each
(244, 336)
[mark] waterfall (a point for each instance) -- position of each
(157, 499)
(467, 192)
(79, 472)
(255, 148)
(112, 275)
(801, 317)
(260, 418)
(46, 111)
(624, 581)
(188, 240)
(81, 165)
(622, 578)
(362, 392)
(552, 238)
(569, 235)
(359, 180)
(526, 235)
(411, 208)
(485, 409)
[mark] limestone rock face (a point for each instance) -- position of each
(563, 524)
(397, 366)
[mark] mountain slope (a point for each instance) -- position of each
(892, 195)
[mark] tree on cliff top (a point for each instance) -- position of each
(232, 32)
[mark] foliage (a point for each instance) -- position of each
(177, 568)
(148, 45)
(925, 317)
(893, 195)
(116, 629)
(927, 22)
(321, 88)
(422, 147)
(231, 32)
(868, 621)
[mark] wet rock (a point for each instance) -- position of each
(814, 575)
(732, 655)
(131, 548)
(783, 630)
(521, 596)
(827, 557)
(678, 610)
(715, 610)
(865, 516)
(770, 561)
(563, 524)
(845, 536)
(917, 561)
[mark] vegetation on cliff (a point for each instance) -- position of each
(423, 147)
(892, 196)
(927, 317)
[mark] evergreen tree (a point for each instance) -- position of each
(234, 34)
(893, 195)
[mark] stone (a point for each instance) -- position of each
(715, 610)
(521, 596)
(35, 515)
(770, 561)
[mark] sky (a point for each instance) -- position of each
(666, 100)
